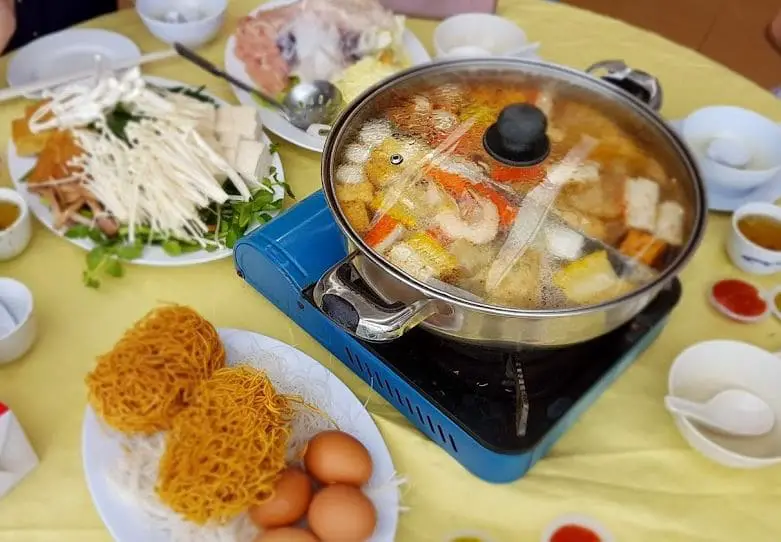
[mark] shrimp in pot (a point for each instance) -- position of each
(475, 220)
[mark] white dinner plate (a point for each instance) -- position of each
(275, 122)
(292, 372)
(19, 166)
(769, 192)
(68, 51)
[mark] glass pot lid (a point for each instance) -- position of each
(514, 184)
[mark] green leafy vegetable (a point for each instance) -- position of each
(172, 247)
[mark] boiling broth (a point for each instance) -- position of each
(762, 230)
(417, 183)
(9, 214)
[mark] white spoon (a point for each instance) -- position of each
(734, 412)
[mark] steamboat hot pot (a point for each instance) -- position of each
(506, 203)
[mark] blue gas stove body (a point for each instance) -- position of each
(283, 260)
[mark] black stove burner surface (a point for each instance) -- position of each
(479, 388)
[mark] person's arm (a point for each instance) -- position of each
(7, 22)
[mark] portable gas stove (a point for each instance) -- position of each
(496, 412)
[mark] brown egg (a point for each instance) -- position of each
(292, 495)
(287, 534)
(334, 457)
(342, 513)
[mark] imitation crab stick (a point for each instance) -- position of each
(458, 186)
(511, 174)
(386, 231)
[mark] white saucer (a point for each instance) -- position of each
(720, 201)
(67, 52)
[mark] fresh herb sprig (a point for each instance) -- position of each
(106, 257)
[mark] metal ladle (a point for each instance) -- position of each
(306, 104)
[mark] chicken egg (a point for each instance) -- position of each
(286, 534)
(288, 504)
(334, 457)
(342, 513)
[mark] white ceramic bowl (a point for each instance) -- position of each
(746, 255)
(707, 368)
(15, 238)
(477, 34)
(737, 150)
(18, 337)
(205, 17)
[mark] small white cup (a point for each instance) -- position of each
(15, 238)
(197, 31)
(746, 255)
(17, 338)
(478, 34)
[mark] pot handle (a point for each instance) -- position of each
(640, 84)
(352, 308)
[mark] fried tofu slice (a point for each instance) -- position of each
(357, 215)
(363, 192)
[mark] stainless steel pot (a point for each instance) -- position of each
(375, 301)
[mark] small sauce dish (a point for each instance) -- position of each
(576, 528)
(15, 224)
(736, 149)
(481, 34)
(18, 325)
(752, 224)
(740, 300)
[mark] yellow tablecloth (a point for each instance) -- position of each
(623, 462)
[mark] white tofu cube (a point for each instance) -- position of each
(229, 139)
(246, 125)
(223, 120)
(641, 197)
(241, 120)
(669, 223)
(207, 120)
(229, 153)
(253, 160)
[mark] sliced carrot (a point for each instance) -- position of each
(642, 246)
(380, 230)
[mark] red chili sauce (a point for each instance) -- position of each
(739, 297)
(574, 533)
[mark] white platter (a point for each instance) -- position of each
(292, 372)
(68, 51)
(19, 166)
(275, 122)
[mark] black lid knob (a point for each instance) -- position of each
(518, 138)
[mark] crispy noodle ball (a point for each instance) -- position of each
(225, 452)
(151, 373)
